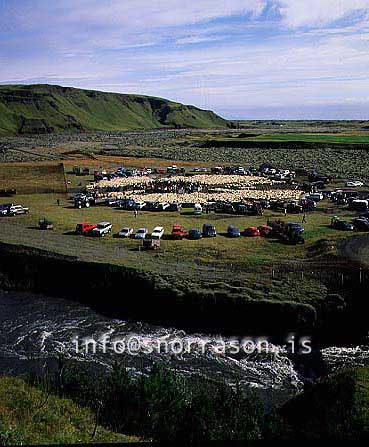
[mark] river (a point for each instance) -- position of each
(35, 329)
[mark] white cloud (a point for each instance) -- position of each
(316, 13)
(197, 39)
(298, 58)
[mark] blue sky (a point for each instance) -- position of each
(250, 59)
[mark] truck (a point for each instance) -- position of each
(85, 227)
(13, 210)
(289, 233)
(83, 201)
(208, 230)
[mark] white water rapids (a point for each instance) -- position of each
(35, 328)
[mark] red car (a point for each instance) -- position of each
(85, 227)
(251, 232)
(178, 232)
(265, 231)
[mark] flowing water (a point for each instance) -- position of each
(34, 329)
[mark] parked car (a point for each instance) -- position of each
(16, 210)
(292, 238)
(102, 229)
(83, 201)
(125, 232)
(7, 192)
(194, 234)
(359, 205)
(178, 232)
(45, 224)
(85, 227)
(316, 196)
(126, 204)
(361, 224)
(197, 209)
(4, 209)
(149, 206)
(339, 224)
(251, 232)
(157, 233)
(174, 206)
(294, 208)
(141, 233)
(307, 204)
(161, 206)
(208, 230)
(315, 177)
(295, 226)
(111, 201)
(354, 184)
(139, 205)
(233, 231)
(265, 230)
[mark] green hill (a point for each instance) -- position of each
(42, 108)
(29, 416)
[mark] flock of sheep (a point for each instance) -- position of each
(220, 188)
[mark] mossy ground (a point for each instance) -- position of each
(29, 415)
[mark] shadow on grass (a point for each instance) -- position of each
(71, 233)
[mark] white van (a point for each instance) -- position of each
(197, 209)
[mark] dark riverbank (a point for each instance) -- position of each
(123, 292)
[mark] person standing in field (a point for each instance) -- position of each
(285, 211)
(304, 221)
(135, 213)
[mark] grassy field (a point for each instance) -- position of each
(97, 150)
(29, 416)
(33, 178)
(220, 251)
(301, 137)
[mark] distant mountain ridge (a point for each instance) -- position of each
(43, 108)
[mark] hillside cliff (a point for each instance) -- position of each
(30, 109)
